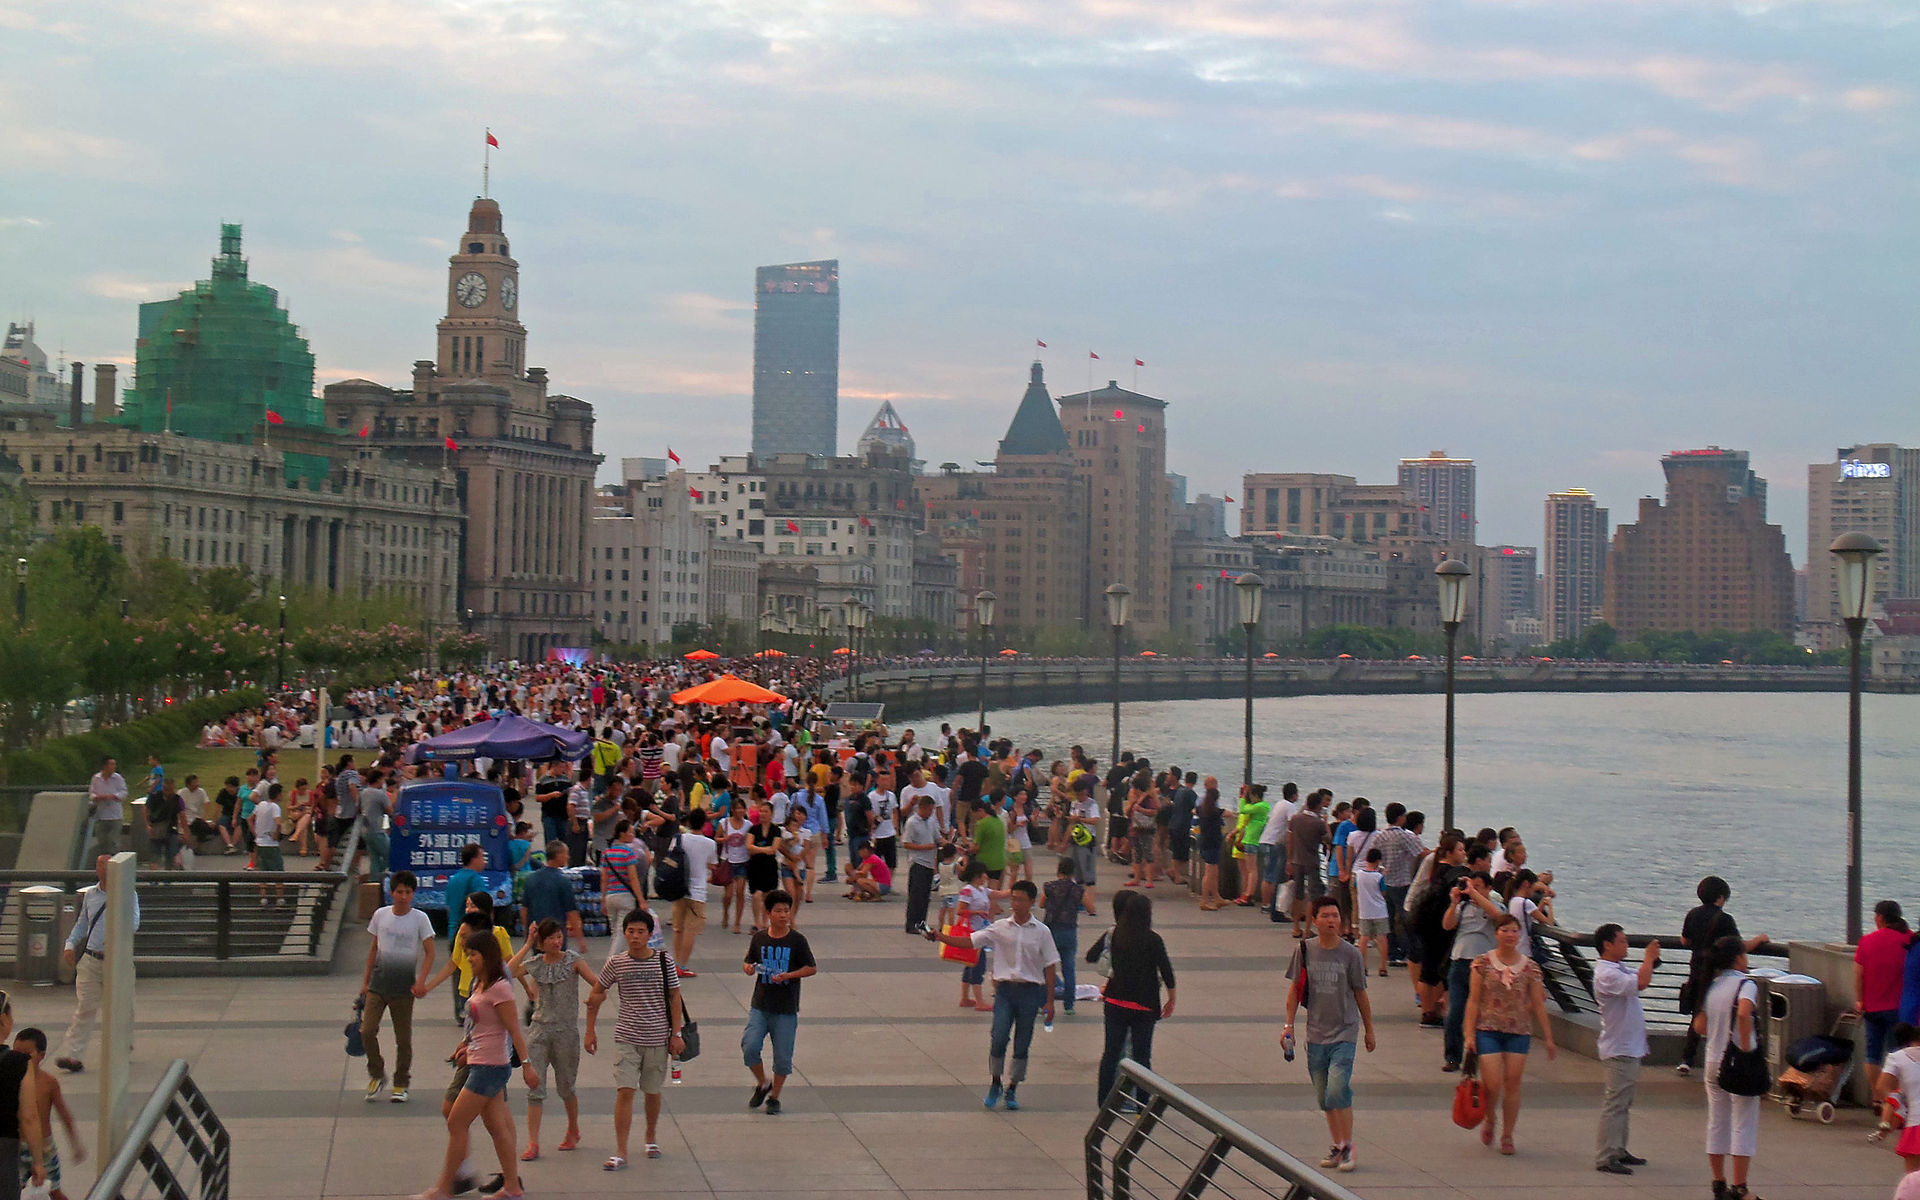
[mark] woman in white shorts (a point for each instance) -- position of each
(1733, 1122)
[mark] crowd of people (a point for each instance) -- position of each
(750, 809)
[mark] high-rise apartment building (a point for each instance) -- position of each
(1574, 573)
(1442, 488)
(1119, 443)
(1704, 560)
(796, 359)
(1875, 490)
(522, 459)
(1381, 516)
(1504, 589)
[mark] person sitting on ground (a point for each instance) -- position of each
(869, 878)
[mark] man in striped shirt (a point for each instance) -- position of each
(645, 1034)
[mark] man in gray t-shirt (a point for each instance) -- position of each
(1333, 976)
(921, 840)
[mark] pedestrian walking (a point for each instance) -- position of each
(33, 1043)
(1879, 973)
(399, 961)
(974, 910)
(1470, 915)
(645, 1033)
(1306, 835)
(778, 958)
(554, 972)
(731, 836)
(1726, 1017)
(1083, 835)
(1330, 979)
(1063, 900)
(1130, 1000)
(106, 800)
(921, 840)
(493, 1031)
(1506, 997)
(1025, 964)
(86, 953)
(1374, 920)
(1623, 1041)
(621, 890)
(1900, 1077)
(23, 1137)
(548, 896)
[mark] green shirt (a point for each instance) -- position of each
(1253, 822)
(990, 843)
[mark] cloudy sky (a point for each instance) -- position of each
(1559, 236)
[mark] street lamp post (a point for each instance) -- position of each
(1855, 552)
(850, 609)
(983, 603)
(1249, 589)
(20, 593)
(1453, 575)
(280, 651)
(1119, 608)
(862, 616)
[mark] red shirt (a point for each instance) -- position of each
(1882, 956)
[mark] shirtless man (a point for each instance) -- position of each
(33, 1043)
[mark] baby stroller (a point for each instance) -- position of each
(1818, 1068)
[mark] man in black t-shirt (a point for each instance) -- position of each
(778, 958)
(1706, 924)
(551, 792)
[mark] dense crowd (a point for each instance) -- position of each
(686, 812)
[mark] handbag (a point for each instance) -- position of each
(689, 1028)
(967, 955)
(1469, 1102)
(721, 873)
(1744, 1072)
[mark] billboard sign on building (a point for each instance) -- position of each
(1853, 468)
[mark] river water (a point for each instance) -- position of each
(1629, 798)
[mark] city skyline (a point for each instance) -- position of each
(1562, 297)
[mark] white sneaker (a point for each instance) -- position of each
(373, 1089)
(1332, 1159)
(1683, 1070)
(1346, 1158)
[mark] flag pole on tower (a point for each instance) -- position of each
(486, 165)
(1137, 364)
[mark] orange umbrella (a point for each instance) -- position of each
(728, 689)
(1269, 654)
(702, 655)
(1008, 653)
(771, 654)
(843, 650)
(1149, 654)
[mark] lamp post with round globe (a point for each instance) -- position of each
(1119, 608)
(1249, 590)
(1453, 575)
(1856, 553)
(983, 603)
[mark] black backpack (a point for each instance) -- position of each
(670, 872)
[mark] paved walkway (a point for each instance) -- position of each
(886, 1099)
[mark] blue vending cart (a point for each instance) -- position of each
(432, 822)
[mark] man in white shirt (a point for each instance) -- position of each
(690, 911)
(400, 959)
(917, 786)
(1623, 1041)
(1025, 961)
(1273, 856)
(719, 752)
(885, 840)
(106, 793)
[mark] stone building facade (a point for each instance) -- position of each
(1119, 442)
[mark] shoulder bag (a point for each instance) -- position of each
(689, 1028)
(1744, 1072)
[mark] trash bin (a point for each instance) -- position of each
(36, 956)
(1795, 1007)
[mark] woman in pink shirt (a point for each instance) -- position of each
(493, 1025)
(1879, 972)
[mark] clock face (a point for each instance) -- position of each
(471, 289)
(509, 293)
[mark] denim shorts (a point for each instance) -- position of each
(1879, 1025)
(1489, 1041)
(1330, 1066)
(488, 1081)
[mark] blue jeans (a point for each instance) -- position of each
(782, 1027)
(555, 830)
(1067, 942)
(1015, 1005)
(1459, 984)
(977, 973)
(1489, 1041)
(1330, 1066)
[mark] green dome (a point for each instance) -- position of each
(225, 352)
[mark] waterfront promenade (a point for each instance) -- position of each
(886, 1097)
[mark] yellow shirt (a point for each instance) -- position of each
(464, 965)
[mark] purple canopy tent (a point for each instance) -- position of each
(509, 736)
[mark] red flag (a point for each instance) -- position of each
(672, 457)
(1138, 363)
(865, 524)
(492, 140)
(1039, 343)
(695, 493)
(792, 528)
(452, 445)
(1231, 500)
(365, 430)
(274, 418)
(1091, 354)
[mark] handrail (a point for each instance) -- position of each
(1568, 970)
(195, 1127)
(1192, 1155)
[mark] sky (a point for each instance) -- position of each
(1561, 237)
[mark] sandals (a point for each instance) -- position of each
(570, 1142)
(614, 1163)
(1486, 1134)
(1506, 1145)
(532, 1152)
(653, 1151)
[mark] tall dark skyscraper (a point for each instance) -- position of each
(796, 358)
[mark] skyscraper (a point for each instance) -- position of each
(1575, 569)
(1443, 489)
(1873, 490)
(796, 359)
(1704, 560)
(1119, 441)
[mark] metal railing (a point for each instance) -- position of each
(176, 1149)
(1152, 1140)
(1568, 967)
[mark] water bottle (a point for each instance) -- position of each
(1286, 1044)
(1046, 1022)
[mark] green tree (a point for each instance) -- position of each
(36, 680)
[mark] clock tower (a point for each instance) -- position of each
(481, 336)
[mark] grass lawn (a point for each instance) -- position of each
(211, 763)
